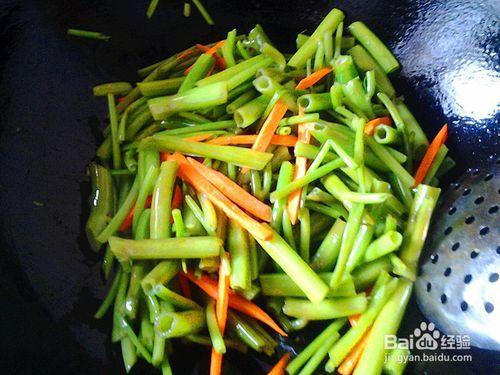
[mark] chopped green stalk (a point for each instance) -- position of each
(168, 248)
(129, 354)
(152, 8)
(318, 195)
(387, 323)
(397, 361)
(178, 324)
(288, 233)
(145, 189)
(133, 338)
(305, 234)
(187, 10)
(161, 87)
(102, 203)
(374, 46)
(242, 50)
(113, 120)
(146, 333)
(342, 347)
(284, 178)
(240, 101)
(308, 178)
(228, 48)
(166, 368)
(239, 73)
(326, 309)
(190, 100)
(438, 160)
(312, 285)
(257, 38)
(107, 262)
(336, 95)
(230, 343)
(418, 224)
(118, 332)
(198, 213)
(113, 88)
(238, 245)
(366, 198)
(319, 355)
(162, 200)
(247, 114)
(344, 69)
(198, 70)
(213, 329)
(301, 40)
(281, 285)
(110, 297)
(210, 126)
(385, 135)
(245, 332)
(295, 364)
(271, 88)
(400, 268)
(203, 11)
(350, 232)
(338, 41)
(88, 34)
(328, 46)
(138, 123)
(356, 98)
(173, 298)
(162, 273)
(366, 63)
(366, 274)
(334, 210)
(319, 56)
(292, 120)
(315, 102)
(359, 247)
(307, 50)
(383, 245)
(240, 156)
(120, 215)
(275, 55)
(328, 250)
(412, 127)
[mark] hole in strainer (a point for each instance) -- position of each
(476, 171)
(466, 192)
(447, 272)
(484, 231)
(464, 306)
(493, 210)
(443, 298)
(452, 210)
(456, 185)
(488, 177)
(447, 231)
(429, 287)
(493, 277)
(467, 278)
(470, 220)
(488, 306)
(455, 246)
(479, 200)
(474, 254)
(498, 250)
(434, 258)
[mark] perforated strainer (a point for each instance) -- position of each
(459, 287)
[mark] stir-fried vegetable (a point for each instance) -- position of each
(250, 172)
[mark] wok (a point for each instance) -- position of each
(50, 284)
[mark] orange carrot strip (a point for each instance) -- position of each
(188, 173)
(177, 198)
(307, 82)
(299, 172)
(164, 156)
(267, 130)
(215, 363)
(199, 137)
(222, 299)
(430, 155)
(352, 359)
(279, 140)
(214, 49)
(372, 124)
(354, 319)
(233, 191)
(127, 223)
(280, 366)
(236, 301)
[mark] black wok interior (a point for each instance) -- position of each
(50, 284)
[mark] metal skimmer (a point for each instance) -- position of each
(459, 286)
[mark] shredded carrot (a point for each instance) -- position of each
(177, 198)
(199, 137)
(352, 359)
(186, 53)
(213, 50)
(222, 298)
(278, 140)
(220, 63)
(184, 285)
(127, 223)
(236, 301)
(121, 99)
(164, 156)
(188, 173)
(430, 155)
(299, 171)
(233, 191)
(267, 130)
(280, 366)
(307, 82)
(372, 124)
(215, 363)
(354, 319)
